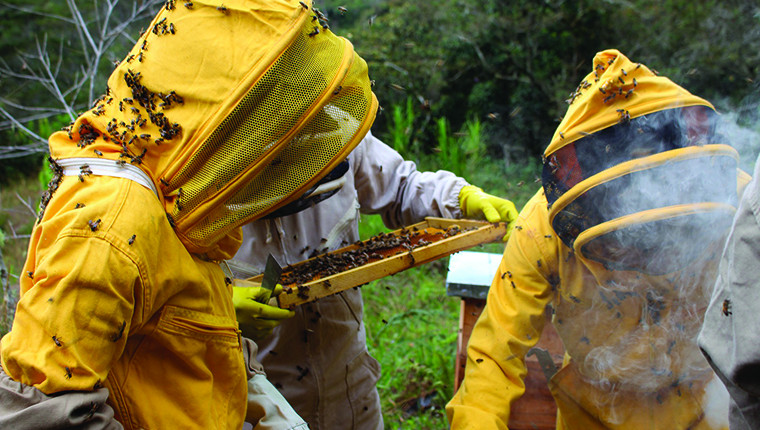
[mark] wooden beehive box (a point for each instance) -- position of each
(381, 255)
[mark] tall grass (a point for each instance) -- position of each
(401, 127)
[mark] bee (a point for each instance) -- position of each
(98, 153)
(94, 224)
(171, 28)
(624, 73)
(135, 110)
(342, 10)
(30, 274)
(132, 239)
(575, 299)
(68, 372)
(98, 385)
(223, 9)
(513, 284)
(337, 90)
(303, 372)
(79, 205)
(315, 32)
(726, 308)
(304, 5)
(189, 5)
(561, 135)
(163, 182)
(620, 78)
(116, 336)
(503, 275)
(137, 159)
(57, 341)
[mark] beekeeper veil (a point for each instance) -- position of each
(634, 169)
(232, 109)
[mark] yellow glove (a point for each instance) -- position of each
(477, 204)
(256, 318)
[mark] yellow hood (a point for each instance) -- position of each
(617, 89)
(232, 109)
(624, 170)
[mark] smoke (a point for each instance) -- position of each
(641, 323)
(715, 404)
(741, 129)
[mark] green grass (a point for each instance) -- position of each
(412, 324)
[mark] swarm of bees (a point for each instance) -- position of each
(374, 249)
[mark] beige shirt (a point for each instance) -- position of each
(318, 359)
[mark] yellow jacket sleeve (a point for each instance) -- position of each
(76, 307)
(510, 325)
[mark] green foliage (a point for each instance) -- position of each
(401, 127)
(460, 152)
(412, 325)
(515, 64)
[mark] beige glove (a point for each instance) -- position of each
(257, 313)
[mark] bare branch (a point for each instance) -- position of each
(26, 205)
(52, 83)
(98, 28)
(36, 12)
(32, 134)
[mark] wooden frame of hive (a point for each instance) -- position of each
(471, 233)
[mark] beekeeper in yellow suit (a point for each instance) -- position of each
(220, 114)
(622, 243)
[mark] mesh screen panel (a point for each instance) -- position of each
(282, 102)
(674, 183)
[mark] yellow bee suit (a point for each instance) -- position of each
(631, 361)
(538, 270)
(221, 113)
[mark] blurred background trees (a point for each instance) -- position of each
(506, 65)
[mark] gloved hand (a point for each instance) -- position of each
(477, 204)
(257, 315)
